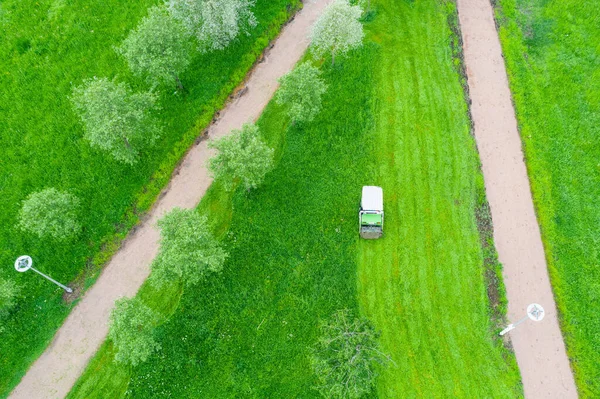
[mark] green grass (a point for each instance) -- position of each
(551, 51)
(246, 332)
(424, 284)
(394, 115)
(48, 47)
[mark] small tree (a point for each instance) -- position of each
(50, 213)
(132, 331)
(115, 119)
(338, 30)
(345, 355)
(215, 23)
(302, 90)
(8, 294)
(242, 156)
(159, 48)
(188, 251)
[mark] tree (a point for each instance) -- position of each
(132, 331)
(302, 90)
(50, 213)
(188, 251)
(115, 119)
(215, 23)
(242, 156)
(345, 355)
(338, 30)
(159, 48)
(8, 294)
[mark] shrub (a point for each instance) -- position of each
(215, 23)
(242, 156)
(345, 355)
(158, 48)
(302, 90)
(132, 331)
(115, 119)
(50, 213)
(188, 251)
(338, 30)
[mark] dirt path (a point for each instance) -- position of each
(539, 347)
(59, 367)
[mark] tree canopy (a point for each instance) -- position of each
(345, 355)
(338, 30)
(132, 331)
(50, 213)
(302, 91)
(243, 157)
(215, 23)
(188, 250)
(159, 48)
(115, 119)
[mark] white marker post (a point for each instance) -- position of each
(24, 263)
(535, 312)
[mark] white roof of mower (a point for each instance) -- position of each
(372, 198)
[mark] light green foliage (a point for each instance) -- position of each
(50, 213)
(115, 119)
(158, 48)
(132, 331)
(8, 294)
(242, 156)
(188, 250)
(338, 30)
(302, 90)
(552, 58)
(215, 23)
(345, 357)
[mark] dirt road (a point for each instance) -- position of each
(55, 372)
(539, 347)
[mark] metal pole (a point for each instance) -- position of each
(521, 321)
(64, 287)
(535, 312)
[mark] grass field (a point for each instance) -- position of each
(47, 48)
(424, 284)
(551, 50)
(394, 115)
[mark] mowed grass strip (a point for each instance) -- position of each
(552, 55)
(47, 48)
(423, 284)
